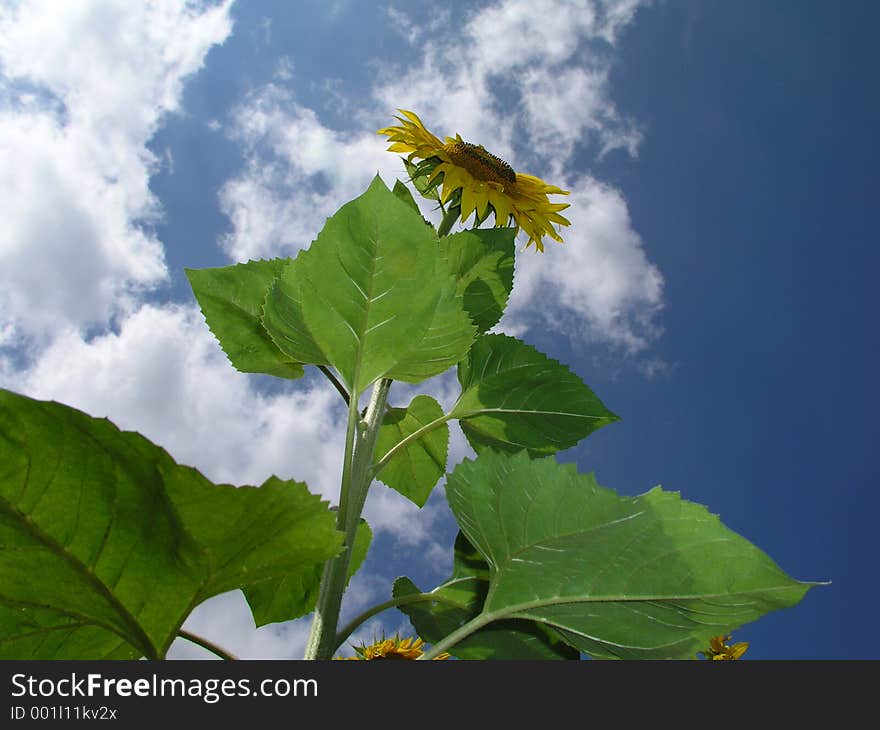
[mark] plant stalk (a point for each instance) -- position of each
(449, 218)
(460, 633)
(360, 442)
(335, 381)
(353, 625)
(206, 644)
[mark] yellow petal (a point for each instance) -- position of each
(468, 203)
(412, 116)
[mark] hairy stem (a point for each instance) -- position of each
(335, 569)
(360, 442)
(206, 644)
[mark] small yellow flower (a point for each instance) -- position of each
(484, 182)
(718, 648)
(396, 648)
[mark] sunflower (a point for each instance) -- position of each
(396, 648)
(477, 181)
(718, 648)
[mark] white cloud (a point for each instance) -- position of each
(616, 15)
(389, 511)
(297, 173)
(599, 284)
(226, 620)
(563, 106)
(554, 31)
(85, 86)
(402, 24)
(555, 70)
(116, 65)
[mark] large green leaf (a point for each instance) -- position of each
(283, 599)
(106, 544)
(414, 470)
(372, 297)
(231, 298)
(641, 577)
(482, 261)
(514, 397)
(460, 599)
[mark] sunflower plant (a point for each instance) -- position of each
(107, 544)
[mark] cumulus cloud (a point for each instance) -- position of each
(84, 87)
(563, 106)
(598, 285)
(508, 74)
(297, 173)
(227, 621)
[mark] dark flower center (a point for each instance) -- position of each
(482, 165)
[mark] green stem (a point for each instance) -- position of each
(353, 625)
(209, 645)
(364, 452)
(403, 443)
(462, 632)
(449, 218)
(335, 569)
(360, 442)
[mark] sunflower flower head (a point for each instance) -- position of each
(396, 648)
(477, 181)
(720, 650)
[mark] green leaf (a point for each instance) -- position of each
(231, 298)
(107, 544)
(482, 261)
(402, 192)
(414, 470)
(460, 599)
(646, 577)
(514, 397)
(372, 297)
(287, 598)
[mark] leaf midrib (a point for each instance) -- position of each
(537, 412)
(521, 608)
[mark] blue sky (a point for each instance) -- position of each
(716, 287)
